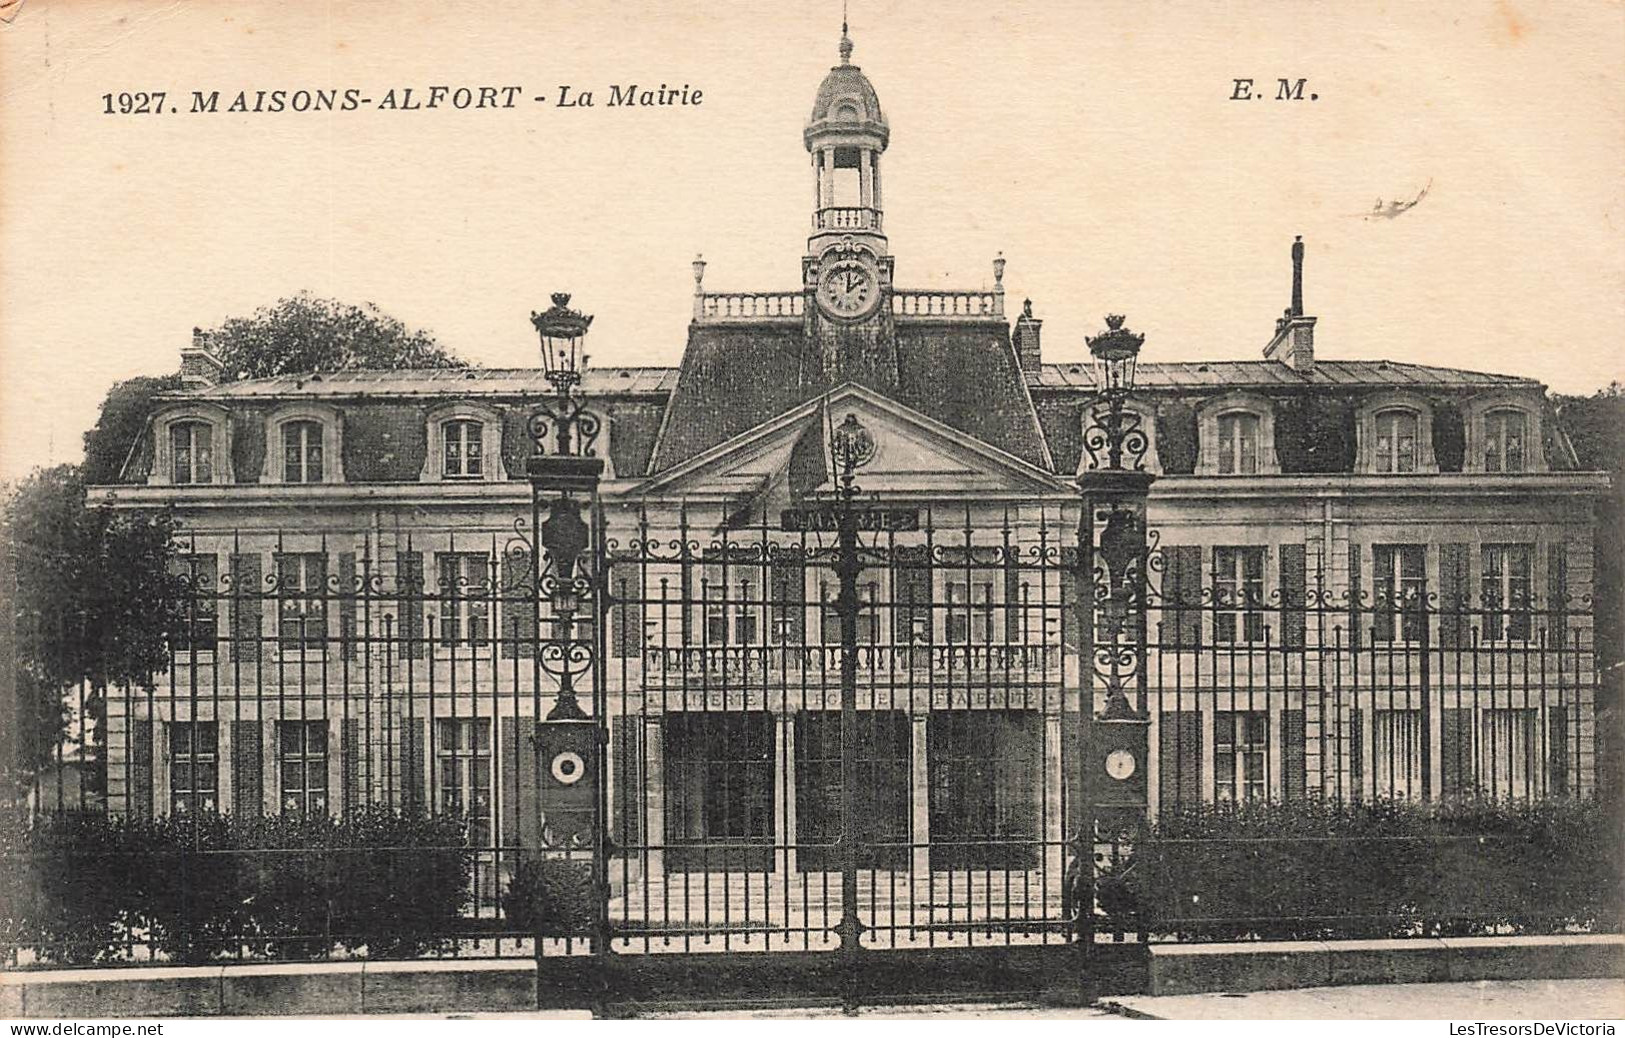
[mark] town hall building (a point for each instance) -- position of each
(1368, 579)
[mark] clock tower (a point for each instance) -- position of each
(847, 270)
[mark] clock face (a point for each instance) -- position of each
(1120, 764)
(847, 289)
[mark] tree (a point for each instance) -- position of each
(124, 415)
(94, 599)
(303, 333)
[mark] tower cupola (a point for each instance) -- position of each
(845, 136)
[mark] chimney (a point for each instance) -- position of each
(200, 367)
(1025, 338)
(1294, 339)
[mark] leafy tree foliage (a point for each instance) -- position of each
(304, 333)
(90, 605)
(124, 416)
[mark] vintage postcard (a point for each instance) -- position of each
(1028, 509)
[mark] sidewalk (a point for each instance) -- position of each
(1467, 1001)
(1470, 1000)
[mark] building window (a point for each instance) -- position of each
(1504, 441)
(463, 746)
(194, 767)
(304, 766)
(301, 452)
(1238, 443)
(787, 621)
(719, 790)
(1399, 583)
(985, 769)
(883, 780)
(730, 613)
(191, 450)
(464, 449)
(868, 623)
(1396, 441)
(1396, 752)
(970, 612)
(1238, 595)
(196, 620)
(465, 606)
(1507, 590)
(302, 600)
(1508, 749)
(1241, 742)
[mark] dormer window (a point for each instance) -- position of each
(191, 452)
(1396, 441)
(1237, 436)
(191, 446)
(1506, 433)
(302, 452)
(465, 444)
(1238, 443)
(464, 453)
(304, 445)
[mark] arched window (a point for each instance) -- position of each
(302, 458)
(1395, 444)
(463, 441)
(191, 452)
(1238, 443)
(1506, 445)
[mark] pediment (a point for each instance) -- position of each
(915, 456)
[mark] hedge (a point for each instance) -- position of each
(1313, 869)
(80, 889)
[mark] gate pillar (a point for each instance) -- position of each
(1113, 591)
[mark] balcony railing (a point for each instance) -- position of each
(920, 303)
(847, 218)
(1035, 661)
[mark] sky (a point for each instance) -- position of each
(1094, 144)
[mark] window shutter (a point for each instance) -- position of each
(626, 620)
(247, 770)
(1456, 750)
(1179, 769)
(1071, 608)
(627, 801)
(1014, 608)
(517, 753)
(350, 760)
(409, 589)
(1557, 736)
(1356, 614)
(1453, 596)
(1356, 753)
(140, 788)
(1557, 595)
(413, 740)
(518, 607)
(347, 594)
(1294, 578)
(1294, 762)
(1182, 596)
(246, 606)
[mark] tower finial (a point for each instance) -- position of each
(846, 41)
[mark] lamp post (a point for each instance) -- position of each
(560, 467)
(1112, 591)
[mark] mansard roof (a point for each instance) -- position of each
(440, 383)
(1236, 374)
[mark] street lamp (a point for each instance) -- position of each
(562, 466)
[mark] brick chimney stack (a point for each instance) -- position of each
(1294, 339)
(1025, 336)
(200, 366)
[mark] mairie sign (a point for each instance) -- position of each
(799, 520)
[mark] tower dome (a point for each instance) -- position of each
(846, 103)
